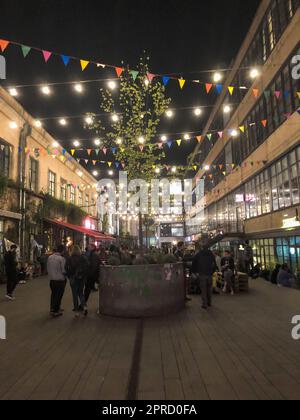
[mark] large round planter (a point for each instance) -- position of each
(141, 291)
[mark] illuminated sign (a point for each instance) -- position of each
(290, 223)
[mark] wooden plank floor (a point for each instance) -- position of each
(241, 349)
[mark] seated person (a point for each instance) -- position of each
(285, 277)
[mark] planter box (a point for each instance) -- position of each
(141, 291)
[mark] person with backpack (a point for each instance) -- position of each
(76, 270)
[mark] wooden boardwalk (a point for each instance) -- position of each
(241, 349)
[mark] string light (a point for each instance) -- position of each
(217, 77)
(95, 173)
(157, 171)
(254, 73)
(187, 137)
(46, 90)
(76, 143)
(164, 138)
(63, 122)
(170, 113)
(88, 120)
(13, 125)
(174, 169)
(206, 167)
(112, 85)
(97, 142)
(198, 112)
(13, 92)
(115, 118)
(78, 88)
(234, 133)
(38, 123)
(141, 140)
(227, 109)
(110, 173)
(55, 144)
(119, 141)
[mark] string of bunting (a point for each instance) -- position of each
(84, 63)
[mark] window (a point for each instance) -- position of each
(5, 153)
(33, 174)
(63, 190)
(72, 195)
(52, 183)
(80, 199)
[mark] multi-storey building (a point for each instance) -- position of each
(252, 169)
(44, 193)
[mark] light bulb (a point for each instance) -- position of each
(45, 90)
(13, 92)
(217, 77)
(78, 88)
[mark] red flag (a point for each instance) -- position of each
(208, 87)
(3, 44)
(119, 71)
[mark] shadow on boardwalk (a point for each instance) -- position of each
(241, 349)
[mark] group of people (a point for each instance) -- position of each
(82, 271)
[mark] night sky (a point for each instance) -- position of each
(182, 37)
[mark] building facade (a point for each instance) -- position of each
(252, 167)
(45, 194)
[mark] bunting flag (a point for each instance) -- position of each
(277, 93)
(208, 87)
(181, 83)
(298, 94)
(264, 123)
(150, 77)
(242, 129)
(84, 64)
(231, 90)
(46, 55)
(25, 50)
(256, 93)
(119, 71)
(219, 88)
(65, 59)
(165, 80)
(170, 143)
(134, 74)
(3, 44)
(220, 134)
(199, 139)
(179, 142)
(141, 148)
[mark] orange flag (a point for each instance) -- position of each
(255, 93)
(208, 87)
(119, 71)
(3, 44)
(199, 138)
(264, 123)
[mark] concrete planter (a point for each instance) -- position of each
(141, 291)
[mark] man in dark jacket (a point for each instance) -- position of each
(204, 264)
(10, 261)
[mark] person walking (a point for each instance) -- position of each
(76, 270)
(228, 268)
(248, 257)
(204, 264)
(93, 272)
(56, 267)
(10, 262)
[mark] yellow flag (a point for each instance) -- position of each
(84, 64)
(231, 89)
(181, 83)
(72, 152)
(242, 128)
(109, 164)
(179, 142)
(298, 93)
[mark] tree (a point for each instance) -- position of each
(134, 116)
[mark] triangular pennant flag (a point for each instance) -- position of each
(97, 151)
(73, 152)
(181, 83)
(170, 144)
(209, 136)
(255, 93)
(86, 161)
(141, 148)
(46, 55)
(219, 88)
(25, 50)
(287, 93)
(298, 94)
(84, 64)
(195, 168)
(199, 138)
(231, 90)
(277, 93)
(165, 80)
(94, 162)
(64, 152)
(220, 133)
(267, 94)
(123, 165)
(264, 123)
(150, 77)
(3, 44)
(114, 150)
(104, 150)
(242, 128)
(65, 59)
(117, 165)
(89, 152)
(109, 164)
(160, 145)
(179, 142)
(119, 71)
(208, 87)
(134, 74)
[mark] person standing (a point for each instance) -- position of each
(10, 262)
(56, 267)
(93, 272)
(204, 264)
(76, 270)
(248, 257)
(228, 269)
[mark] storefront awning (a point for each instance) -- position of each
(98, 236)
